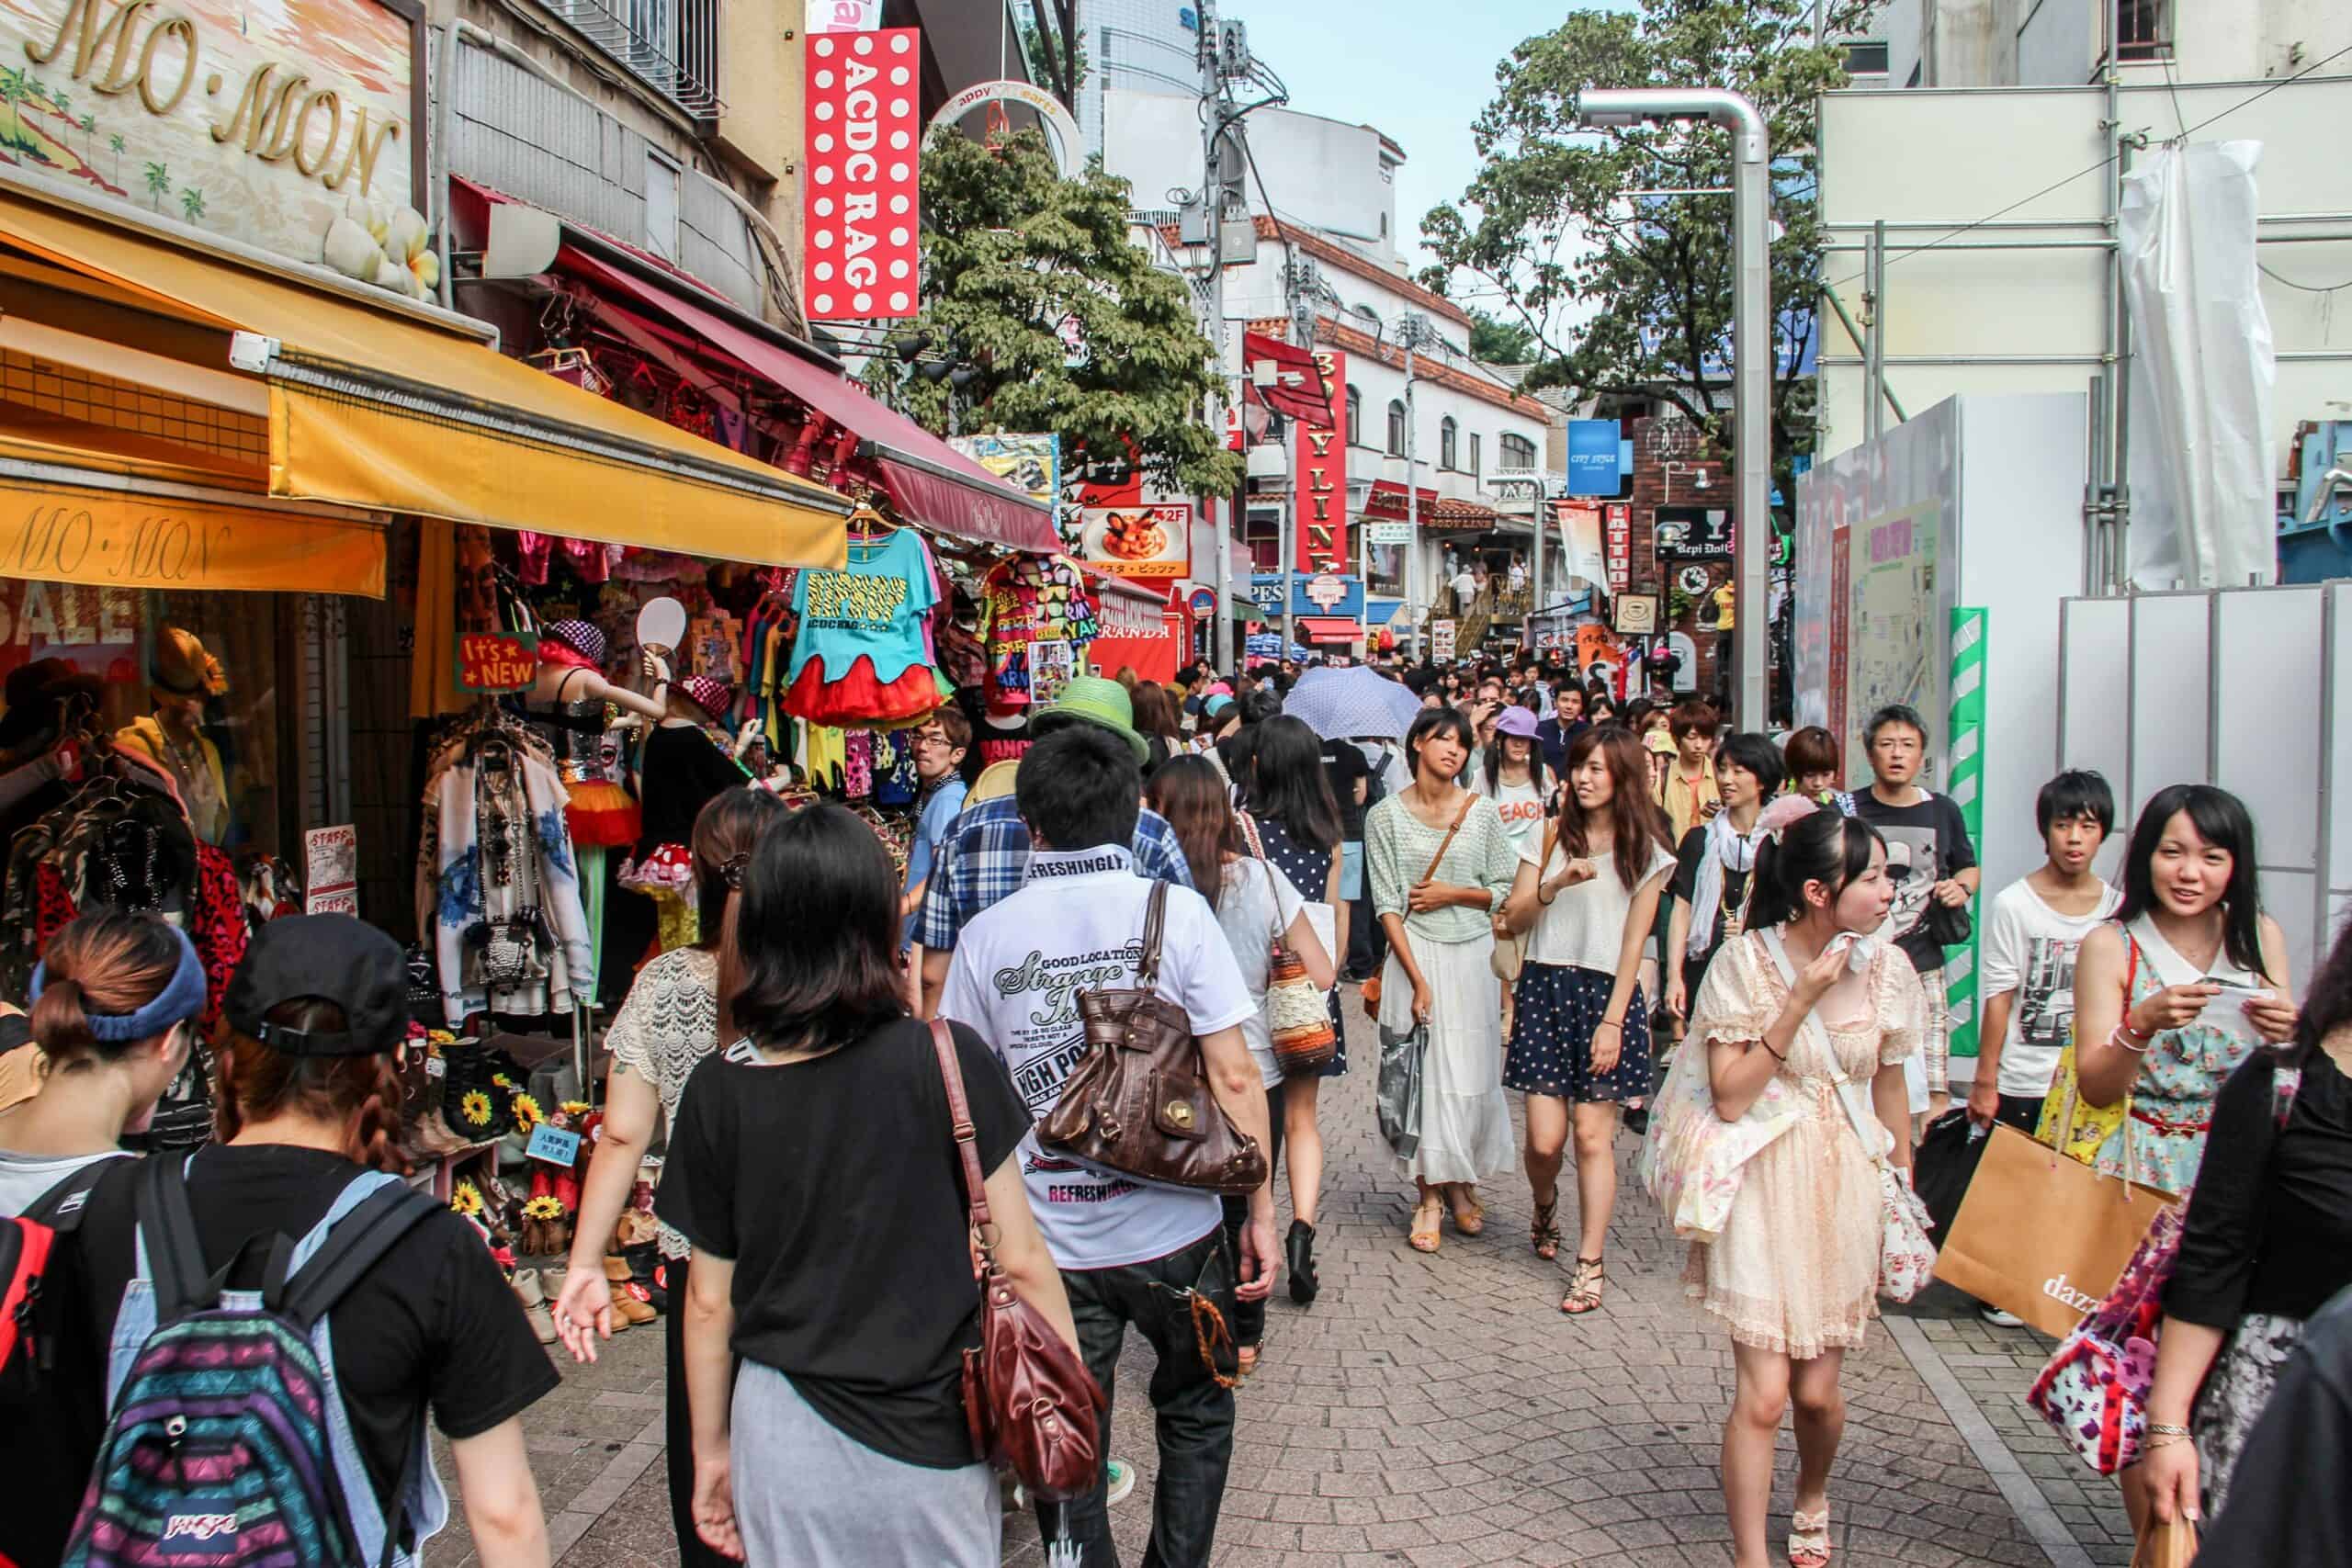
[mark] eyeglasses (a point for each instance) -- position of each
(932, 737)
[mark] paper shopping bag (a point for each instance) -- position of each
(2042, 1237)
(2166, 1546)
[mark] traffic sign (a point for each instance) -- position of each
(1203, 602)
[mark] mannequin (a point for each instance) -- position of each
(681, 769)
(182, 677)
(569, 694)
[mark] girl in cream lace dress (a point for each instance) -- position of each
(1800, 1003)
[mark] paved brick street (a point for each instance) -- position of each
(1435, 1411)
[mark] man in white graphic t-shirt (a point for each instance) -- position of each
(1130, 1252)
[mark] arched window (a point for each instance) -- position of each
(1518, 452)
(1355, 417)
(1448, 438)
(1395, 429)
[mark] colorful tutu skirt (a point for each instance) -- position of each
(602, 814)
(861, 699)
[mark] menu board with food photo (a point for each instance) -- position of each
(1143, 540)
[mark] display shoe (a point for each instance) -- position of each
(1300, 1246)
(616, 1269)
(528, 1290)
(645, 1268)
(633, 1301)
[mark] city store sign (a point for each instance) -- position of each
(265, 122)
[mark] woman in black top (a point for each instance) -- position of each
(433, 1322)
(1156, 722)
(813, 1168)
(2268, 1240)
(1298, 822)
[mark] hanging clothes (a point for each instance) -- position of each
(681, 770)
(862, 655)
(1028, 600)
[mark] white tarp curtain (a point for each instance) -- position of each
(1580, 541)
(2203, 507)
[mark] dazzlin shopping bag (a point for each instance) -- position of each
(2042, 1237)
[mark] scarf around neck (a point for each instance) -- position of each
(1727, 849)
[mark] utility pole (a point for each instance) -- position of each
(1751, 346)
(1212, 129)
(1412, 331)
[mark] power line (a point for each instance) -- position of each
(2095, 168)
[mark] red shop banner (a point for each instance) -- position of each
(859, 195)
(1320, 506)
(1617, 544)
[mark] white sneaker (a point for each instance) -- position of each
(2000, 1319)
(1123, 1481)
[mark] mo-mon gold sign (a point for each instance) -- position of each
(263, 118)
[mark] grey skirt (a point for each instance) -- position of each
(2234, 1393)
(809, 1494)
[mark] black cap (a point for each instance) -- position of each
(330, 958)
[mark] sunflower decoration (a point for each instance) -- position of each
(473, 1109)
(543, 1207)
(440, 1037)
(527, 1114)
(467, 1200)
(575, 1109)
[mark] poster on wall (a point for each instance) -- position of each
(1147, 539)
(1031, 464)
(1051, 665)
(260, 122)
(1441, 641)
(1894, 643)
(331, 871)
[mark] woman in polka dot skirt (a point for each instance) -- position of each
(1580, 1046)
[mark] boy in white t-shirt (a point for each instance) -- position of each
(2027, 958)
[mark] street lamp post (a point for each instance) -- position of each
(1750, 342)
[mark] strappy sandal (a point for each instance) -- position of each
(1809, 1539)
(1472, 1221)
(1246, 1359)
(1425, 1237)
(1584, 1288)
(1543, 1231)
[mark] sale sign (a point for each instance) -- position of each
(1320, 503)
(860, 176)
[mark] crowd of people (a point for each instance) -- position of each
(1621, 913)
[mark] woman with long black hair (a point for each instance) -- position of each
(1587, 897)
(671, 1020)
(2191, 923)
(2269, 1241)
(1440, 865)
(1298, 825)
(813, 1170)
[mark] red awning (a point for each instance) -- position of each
(1387, 499)
(1294, 386)
(929, 481)
(1329, 629)
(1124, 608)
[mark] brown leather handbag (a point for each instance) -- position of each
(1138, 1102)
(1029, 1401)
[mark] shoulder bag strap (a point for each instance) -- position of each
(1155, 919)
(355, 1243)
(62, 1207)
(1447, 843)
(175, 1252)
(1876, 1139)
(959, 1113)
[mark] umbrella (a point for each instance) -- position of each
(1353, 703)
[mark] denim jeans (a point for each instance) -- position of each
(1194, 1413)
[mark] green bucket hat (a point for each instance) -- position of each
(1097, 701)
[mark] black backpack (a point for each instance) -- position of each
(29, 1245)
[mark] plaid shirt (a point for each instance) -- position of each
(985, 856)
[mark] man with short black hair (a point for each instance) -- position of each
(1555, 732)
(1130, 1252)
(1930, 857)
(1687, 792)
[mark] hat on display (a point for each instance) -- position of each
(183, 668)
(1097, 700)
(328, 958)
(1659, 741)
(581, 641)
(1515, 720)
(710, 693)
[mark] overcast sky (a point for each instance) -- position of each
(1420, 71)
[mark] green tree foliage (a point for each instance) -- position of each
(1009, 250)
(1501, 341)
(1634, 294)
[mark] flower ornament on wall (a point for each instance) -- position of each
(388, 246)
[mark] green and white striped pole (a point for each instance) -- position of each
(1966, 787)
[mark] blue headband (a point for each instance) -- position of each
(180, 1000)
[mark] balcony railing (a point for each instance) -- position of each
(670, 45)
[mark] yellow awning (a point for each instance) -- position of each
(384, 411)
(56, 527)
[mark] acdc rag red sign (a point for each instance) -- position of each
(1320, 505)
(859, 180)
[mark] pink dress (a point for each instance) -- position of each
(1796, 1270)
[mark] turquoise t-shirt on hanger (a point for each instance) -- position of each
(873, 606)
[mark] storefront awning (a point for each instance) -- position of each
(387, 410)
(930, 482)
(1329, 629)
(1124, 608)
